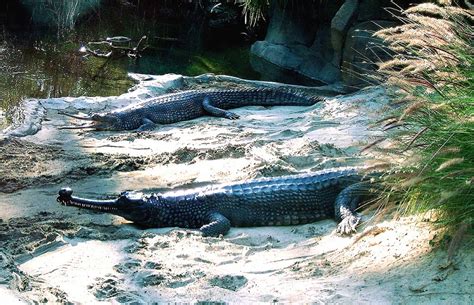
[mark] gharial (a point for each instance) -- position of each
(287, 200)
(191, 104)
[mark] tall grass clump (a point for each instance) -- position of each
(432, 127)
(61, 14)
(254, 10)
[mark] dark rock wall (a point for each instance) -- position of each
(323, 42)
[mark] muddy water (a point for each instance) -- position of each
(42, 69)
(38, 62)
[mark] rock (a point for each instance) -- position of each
(339, 26)
(329, 70)
(278, 54)
(361, 52)
(290, 26)
(300, 48)
(286, 54)
(344, 16)
(323, 43)
(287, 63)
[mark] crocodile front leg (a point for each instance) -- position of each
(346, 203)
(213, 110)
(218, 224)
(147, 125)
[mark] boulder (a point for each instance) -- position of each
(289, 25)
(281, 55)
(330, 42)
(286, 54)
(339, 26)
(287, 63)
(301, 47)
(361, 51)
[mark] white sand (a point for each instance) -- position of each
(98, 258)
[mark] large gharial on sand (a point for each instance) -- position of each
(287, 200)
(191, 104)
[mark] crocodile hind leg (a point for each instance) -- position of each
(214, 111)
(347, 202)
(218, 224)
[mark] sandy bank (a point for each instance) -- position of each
(60, 254)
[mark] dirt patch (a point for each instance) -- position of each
(25, 164)
(26, 238)
(22, 239)
(185, 155)
(231, 282)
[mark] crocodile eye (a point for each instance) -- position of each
(97, 117)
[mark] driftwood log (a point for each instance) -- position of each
(115, 47)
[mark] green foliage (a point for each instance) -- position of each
(432, 76)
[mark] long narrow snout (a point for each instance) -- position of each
(84, 118)
(78, 118)
(94, 126)
(77, 127)
(65, 197)
(98, 121)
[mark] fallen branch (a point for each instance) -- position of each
(114, 50)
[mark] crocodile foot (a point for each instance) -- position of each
(231, 116)
(348, 225)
